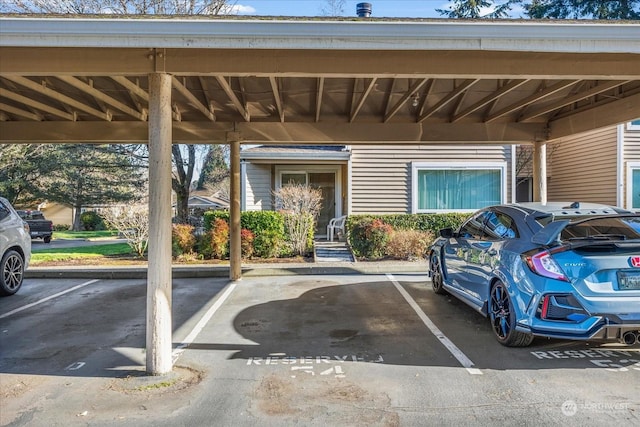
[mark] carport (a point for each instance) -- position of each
(197, 81)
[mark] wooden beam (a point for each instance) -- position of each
(59, 97)
(276, 96)
(192, 99)
(412, 90)
(447, 99)
(355, 109)
(541, 94)
(321, 62)
(234, 99)
(600, 115)
(37, 105)
(513, 84)
(205, 132)
(603, 87)
(319, 93)
(90, 90)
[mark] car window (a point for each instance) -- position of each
(4, 211)
(472, 229)
(500, 226)
(622, 227)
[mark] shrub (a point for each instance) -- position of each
(91, 221)
(409, 244)
(183, 240)
(219, 239)
(369, 237)
(422, 222)
(300, 205)
(131, 222)
(247, 238)
(61, 227)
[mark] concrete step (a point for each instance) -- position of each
(332, 252)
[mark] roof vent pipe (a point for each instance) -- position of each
(363, 10)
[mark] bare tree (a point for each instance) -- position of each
(132, 7)
(333, 8)
(131, 222)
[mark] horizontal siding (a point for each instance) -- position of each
(258, 187)
(631, 154)
(381, 175)
(584, 168)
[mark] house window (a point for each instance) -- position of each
(457, 187)
(633, 185)
(634, 125)
(293, 178)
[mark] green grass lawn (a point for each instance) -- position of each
(79, 253)
(84, 234)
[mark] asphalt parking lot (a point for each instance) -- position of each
(375, 350)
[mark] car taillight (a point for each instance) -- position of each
(543, 264)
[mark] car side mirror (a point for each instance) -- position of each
(447, 233)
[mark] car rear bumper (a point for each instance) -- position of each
(609, 327)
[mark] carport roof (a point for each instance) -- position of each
(314, 81)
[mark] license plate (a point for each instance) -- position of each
(629, 280)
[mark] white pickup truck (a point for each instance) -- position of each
(15, 248)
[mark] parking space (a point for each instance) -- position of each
(313, 350)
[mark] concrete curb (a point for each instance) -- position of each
(249, 270)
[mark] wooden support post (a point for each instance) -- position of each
(235, 251)
(540, 172)
(159, 271)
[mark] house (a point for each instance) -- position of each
(363, 179)
(601, 166)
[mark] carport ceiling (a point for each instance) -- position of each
(66, 80)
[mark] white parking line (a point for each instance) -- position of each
(17, 310)
(202, 323)
(455, 351)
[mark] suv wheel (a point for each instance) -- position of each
(12, 269)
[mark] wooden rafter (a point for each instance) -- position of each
(276, 96)
(36, 105)
(132, 87)
(101, 96)
(357, 105)
(603, 87)
(20, 112)
(412, 90)
(387, 107)
(513, 84)
(182, 89)
(234, 99)
(59, 97)
(541, 94)
(447, 99)
(319, 92)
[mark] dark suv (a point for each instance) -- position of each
(15, 248)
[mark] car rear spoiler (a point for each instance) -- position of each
(549, 234)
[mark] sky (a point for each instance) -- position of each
(380, 8)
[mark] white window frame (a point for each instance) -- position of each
(418, 166)
(631, 166)
(633, 126)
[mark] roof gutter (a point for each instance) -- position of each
(512, 35)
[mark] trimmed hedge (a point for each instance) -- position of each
(369, 235)
(422, 222)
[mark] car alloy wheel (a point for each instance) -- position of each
(12, 266)
(437, 280)
(503, 319)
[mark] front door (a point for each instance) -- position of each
(326, 182)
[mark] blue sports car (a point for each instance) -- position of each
(559, 270)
